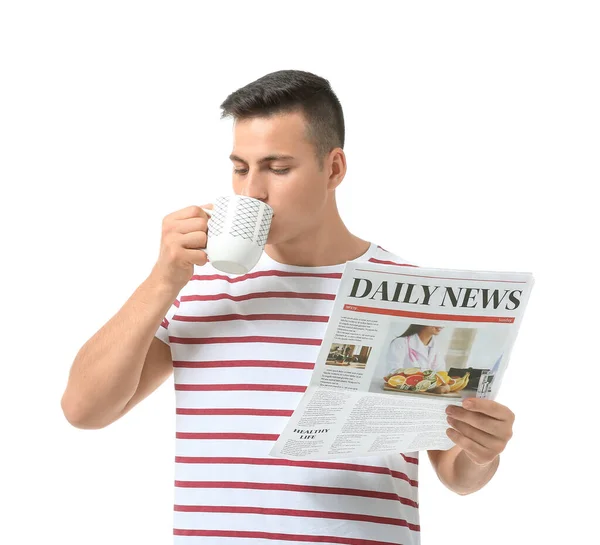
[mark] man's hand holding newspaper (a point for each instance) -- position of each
(481, 428)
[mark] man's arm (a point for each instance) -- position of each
(122, 363)
(481, 429)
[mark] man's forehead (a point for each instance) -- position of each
(263, 139)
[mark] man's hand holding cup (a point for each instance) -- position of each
(182, 245)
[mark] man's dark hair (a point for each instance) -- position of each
(287, 91)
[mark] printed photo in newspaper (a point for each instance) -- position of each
(439, 360)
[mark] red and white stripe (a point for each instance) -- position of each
(243, 352)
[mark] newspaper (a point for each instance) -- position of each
(401, 345)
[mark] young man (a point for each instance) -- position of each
(243, 348)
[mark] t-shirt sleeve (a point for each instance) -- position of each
(163, 329)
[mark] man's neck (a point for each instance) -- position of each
(331, 244)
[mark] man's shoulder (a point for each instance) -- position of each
(386, 257)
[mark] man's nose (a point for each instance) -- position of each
(255, 186)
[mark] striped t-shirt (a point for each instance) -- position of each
(243, 350)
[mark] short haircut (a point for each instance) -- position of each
(288, 91)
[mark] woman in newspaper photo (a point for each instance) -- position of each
(416, 347)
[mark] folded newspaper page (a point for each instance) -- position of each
(401, 345)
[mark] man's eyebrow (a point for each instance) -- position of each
(274, 157)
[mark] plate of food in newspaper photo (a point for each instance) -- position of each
(425, 381)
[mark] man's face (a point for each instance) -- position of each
(293, 187)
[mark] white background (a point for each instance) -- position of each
(472, 142)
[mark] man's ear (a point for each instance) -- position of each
(336, 164)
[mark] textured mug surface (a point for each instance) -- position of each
(237, 233)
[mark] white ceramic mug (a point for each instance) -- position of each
(237, 233)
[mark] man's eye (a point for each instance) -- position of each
(276, 171)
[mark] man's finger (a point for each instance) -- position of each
(482, 438)
(489, 407)
(481, 421)
(475, 451)
(193, 211)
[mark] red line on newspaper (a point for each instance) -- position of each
(428, 316)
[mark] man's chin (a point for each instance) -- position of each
(279, 236)
(274, 237)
